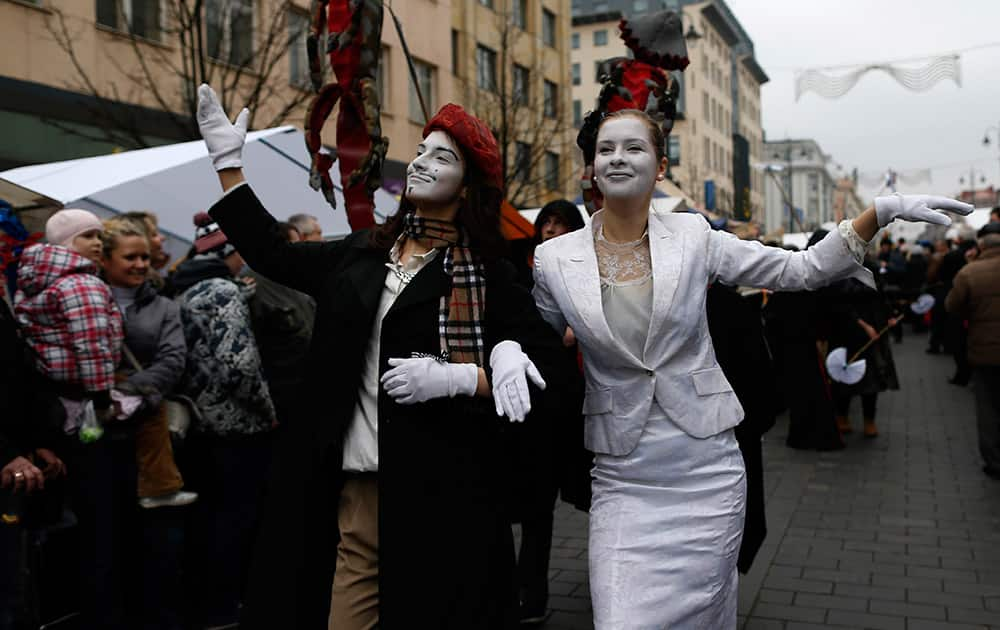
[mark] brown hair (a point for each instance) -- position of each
(118, 227)
(655, 131)
(478, 216)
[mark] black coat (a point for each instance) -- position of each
(445, 548)
(737, 333)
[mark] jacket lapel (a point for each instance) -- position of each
(667, 257)
(430, 283)
(582, 277)
(368, 278)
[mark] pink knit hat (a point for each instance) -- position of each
(65, 225)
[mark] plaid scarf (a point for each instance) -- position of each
(460, 317)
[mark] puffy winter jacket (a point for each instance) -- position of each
(69, 317)
(223, 375)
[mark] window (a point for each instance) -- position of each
(522, 85)
(600, 6)
(425, 79)
(454, 51)
(548, 28)
(598, 70)
(640, 6)
(674, 150)
(551, 105)
(574, 41)
(298, 59)
(229, 30)
(382, 77)
(601, 38)
(138, 17)
(519, 12)
(704, 106)
(576, 73)
(704, 64)
(706, 153)
(551, 170)
(577, 113)
(522, 161)
(486, 68)
(486, 3)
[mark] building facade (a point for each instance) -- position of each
(510, 60)
(718, 136)
(800, 171)
(462, 52)
(847, 203)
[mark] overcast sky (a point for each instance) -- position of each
(879, 123)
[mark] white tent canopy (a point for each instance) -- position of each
(176, 181)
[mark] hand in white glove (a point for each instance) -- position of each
(223, 139)
(416, 380)
(917, 208)
(511, 370)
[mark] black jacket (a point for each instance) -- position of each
(32, 416)
(445, 548)
(282, 320)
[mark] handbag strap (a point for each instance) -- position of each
(131, 358)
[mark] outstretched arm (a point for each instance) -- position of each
(837, 256)
(242, 217)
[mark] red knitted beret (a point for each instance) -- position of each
(474, 137)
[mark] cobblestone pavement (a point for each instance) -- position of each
(899, 533)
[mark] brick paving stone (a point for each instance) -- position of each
(883, 534)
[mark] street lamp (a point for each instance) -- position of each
(772, 170)
(972, 183)
(986, 141)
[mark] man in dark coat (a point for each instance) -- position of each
(975, 297)
(282, 320)
(734, 322)
(441, 545)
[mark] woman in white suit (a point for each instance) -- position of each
(668, 490)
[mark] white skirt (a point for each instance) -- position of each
(665, 527)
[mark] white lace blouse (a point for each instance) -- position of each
(626, 272)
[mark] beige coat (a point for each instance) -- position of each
(975, 296)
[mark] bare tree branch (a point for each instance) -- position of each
(519, 118)
(166, 73)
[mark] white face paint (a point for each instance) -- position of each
(625, 164)
(434, 177)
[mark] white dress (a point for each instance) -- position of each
(667, 518)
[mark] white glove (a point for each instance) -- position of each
(224, 140)
(917, 208)
(510, 385)
(416, 380)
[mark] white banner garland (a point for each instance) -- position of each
(915, 79)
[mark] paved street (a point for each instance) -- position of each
(897, 533)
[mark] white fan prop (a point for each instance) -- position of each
(923, 303)
(841, 371)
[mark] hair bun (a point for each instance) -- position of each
(202, 219)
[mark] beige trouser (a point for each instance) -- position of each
(354, 603)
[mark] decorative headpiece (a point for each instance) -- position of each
(642, 83)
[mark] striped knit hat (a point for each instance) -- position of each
(209, 237)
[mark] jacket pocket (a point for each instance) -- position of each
(710, 381)
(597, 401)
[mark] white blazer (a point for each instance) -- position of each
(678, 365)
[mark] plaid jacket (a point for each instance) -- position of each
(69, 317)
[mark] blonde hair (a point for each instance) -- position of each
(119, 227)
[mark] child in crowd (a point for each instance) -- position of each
(68, 315)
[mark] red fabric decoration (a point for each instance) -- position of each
(634, 79)
(473, 137)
